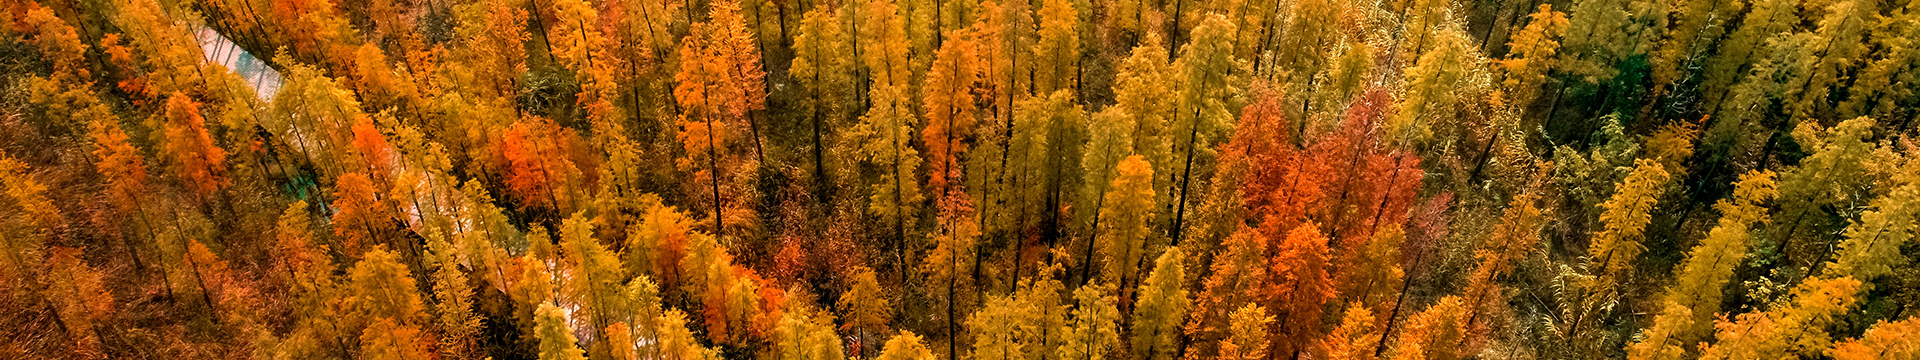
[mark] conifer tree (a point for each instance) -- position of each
(1161, 307)
(78, 295)
(864, 309)
(1094, 331)
(1298, 288)
(199, 162)
(1128, 210)
(906, 346)
(1694, 298)
(556, 339)
(1248, 337)
(1354, 339)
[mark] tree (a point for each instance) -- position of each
(1298, 288)
(1248, 337)
(949, 105)
(1354, 339)
(1094, 331)
(1057, 49)
(1435, 333)
(1239, 270)
(1615, 248)
(126, 175)
(195, 157)
(386, 339)
(1885, 340)
(596, 278)
(884, 133)
(1431, 85)
(1207, 90)
(1130, 205)
(539, 166)
(827, 77)
(864, 308)
(78, 295)
(1531, 54)
(1793, 327)
(906, 346)
(1163, 303)
(382, 288)
(806, 334)
(363, 219)
(556, 339)
(1694, 298)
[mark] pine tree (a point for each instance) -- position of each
(1159, 312)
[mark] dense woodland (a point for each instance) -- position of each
(960, 179)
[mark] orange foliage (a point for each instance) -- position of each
(195, 156)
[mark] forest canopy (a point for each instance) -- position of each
(959, 179)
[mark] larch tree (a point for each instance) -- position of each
(125, 171)
(1208, 90)
(1129, 211)
(79, 296)
(1298, 289)
(383, 288)
(806, 334)
(1513, 239)
(597, 279)
(1094, 332)
(1792, 327)
(719, 86)
(386, 339)
(1353, 339)
(1885, 340)
(1161, 308)
(556, 339)
(1691, 303)
(1835, 48)
(863, 308)
(949, 105)
(906, 346)
(1435, 333)
(195, 157)
(1057, 49)
(883, 135)
(825, 75)
(1531, 55)
(540, 169)
(363, 217)
(1238, 271)
(1247, 338)
(1624, 218)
